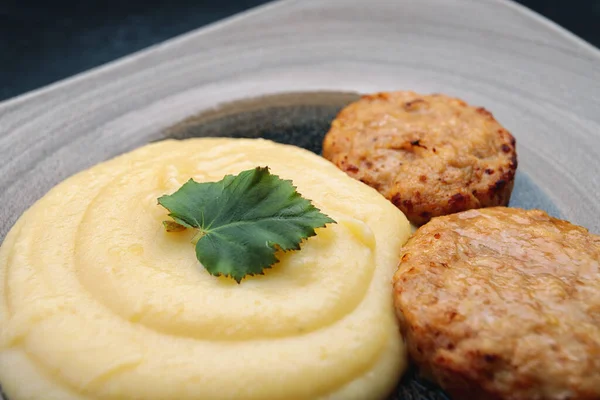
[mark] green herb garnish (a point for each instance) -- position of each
(243, 220)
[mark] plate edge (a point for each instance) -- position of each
(180, 39)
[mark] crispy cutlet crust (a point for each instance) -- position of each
(430, 155)
(503, 303)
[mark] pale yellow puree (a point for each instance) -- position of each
(99, 302)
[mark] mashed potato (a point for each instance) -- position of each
(99, 302)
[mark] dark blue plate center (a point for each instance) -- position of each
(302, 119)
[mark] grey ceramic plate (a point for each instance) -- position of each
(541, 82)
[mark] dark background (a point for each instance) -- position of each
(47, 40)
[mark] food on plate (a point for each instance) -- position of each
(100, 301)
(503, 303)
(244, 269)
(430, 155)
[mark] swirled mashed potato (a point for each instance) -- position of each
(99, 302)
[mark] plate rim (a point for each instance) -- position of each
(61, 84)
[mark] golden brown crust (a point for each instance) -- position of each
(430, 155)
(503, 303)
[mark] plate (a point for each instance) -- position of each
(283, 70)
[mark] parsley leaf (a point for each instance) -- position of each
(243, 220)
